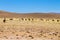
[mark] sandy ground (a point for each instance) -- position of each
(30, 31)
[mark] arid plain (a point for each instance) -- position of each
(32, 26)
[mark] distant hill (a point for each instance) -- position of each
(40, 15)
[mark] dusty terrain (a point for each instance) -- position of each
(39, 27)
